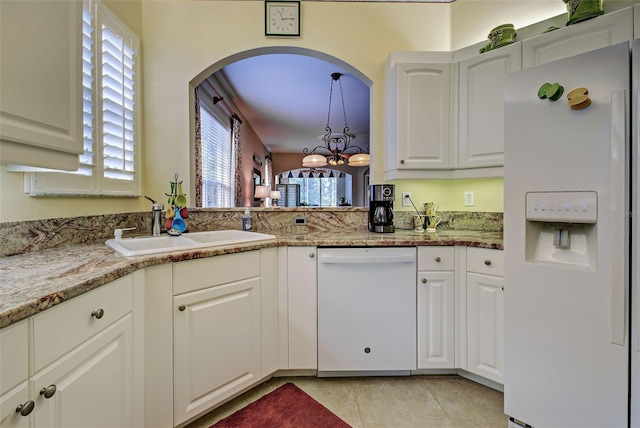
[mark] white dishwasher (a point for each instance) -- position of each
(366, 310)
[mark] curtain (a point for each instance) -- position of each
(198, 149)
(237, 150)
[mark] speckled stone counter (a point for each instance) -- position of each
(33, 282)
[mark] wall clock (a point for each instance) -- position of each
(282, 18)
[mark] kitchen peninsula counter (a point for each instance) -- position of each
(33, 282)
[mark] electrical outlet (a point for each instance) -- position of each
(469, 199)
(406, 199)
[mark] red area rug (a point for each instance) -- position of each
(286, 407)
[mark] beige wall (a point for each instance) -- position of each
(180, 39)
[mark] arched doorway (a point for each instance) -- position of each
(248, 165)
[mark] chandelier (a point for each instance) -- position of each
(337, 145)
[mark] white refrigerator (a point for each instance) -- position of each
(572, 353)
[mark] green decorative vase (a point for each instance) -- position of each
(502, 35)
(581, 10)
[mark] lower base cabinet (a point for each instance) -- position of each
(216, 345)
(98, 373)
(485, 314)
(436, 308)
(84, 367)
(221, 330)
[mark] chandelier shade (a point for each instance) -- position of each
(314, 160)
(337, 148)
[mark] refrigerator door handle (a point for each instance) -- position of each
(617, 215)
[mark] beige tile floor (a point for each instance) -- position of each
(397, 402)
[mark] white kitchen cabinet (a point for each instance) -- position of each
(92, 386)
(481, 106)
(41, 83)
(636, 22)
(216, 330)
(302, 320)
(80, 360)
(14, 372)
(417, 113)
(269, 311)
(602, 31)
(12, 403)
(485, 313)
(436, 308)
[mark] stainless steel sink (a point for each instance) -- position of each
(139, 246)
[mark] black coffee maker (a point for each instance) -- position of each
(381, 197)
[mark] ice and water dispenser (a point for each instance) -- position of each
(561, 228)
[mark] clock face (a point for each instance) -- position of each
(283, 18)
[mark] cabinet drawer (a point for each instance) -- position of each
(62, 328)
(436, 258)
(485, 261)
(14, 348)
(197, 274)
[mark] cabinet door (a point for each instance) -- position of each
(596, 33)
(481, 106)
(303, 307)
(436, 320)
(417, 117)
(485, 326)
(216, 345)
(93, 384)
(41, 83)
(9, 402)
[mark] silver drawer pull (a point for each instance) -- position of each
(98, 313)
(487, 262)
(48, 391)
(26, 408)
(424, 280)
(438, 259)
(312, 255)
(181, 308)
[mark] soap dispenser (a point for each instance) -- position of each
(246, 220)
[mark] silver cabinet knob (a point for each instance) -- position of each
(367, 350)
(487, 262)
(26, 408)
(48, 391)
(97, 314)
(424, 280)
(402, 161)
(312, 255)
(181, 308)
(438, 259)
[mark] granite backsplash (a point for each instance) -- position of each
(35, 235)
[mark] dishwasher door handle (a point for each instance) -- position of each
(367, 259)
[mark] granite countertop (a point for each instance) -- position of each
(33, 282)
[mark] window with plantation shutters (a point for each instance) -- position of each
(110, 83)
(217, 155)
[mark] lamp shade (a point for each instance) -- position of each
(360, 159)
(275, 194)
(262, 192)
(314, 160)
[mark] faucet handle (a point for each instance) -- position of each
(118, 232)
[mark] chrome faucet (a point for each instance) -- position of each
(156, 217)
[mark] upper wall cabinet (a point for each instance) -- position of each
(41, 83)
(417, 113)
(481, 106)
(600, 32)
